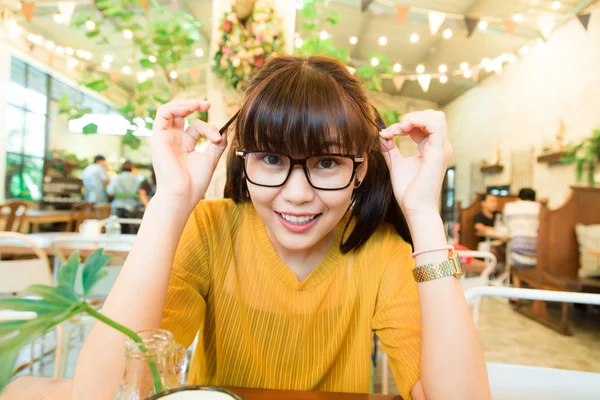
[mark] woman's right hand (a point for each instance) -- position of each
(182, 172)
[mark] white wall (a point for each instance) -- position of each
(521, 109)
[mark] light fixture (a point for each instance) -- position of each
(524, 50)
(555, 5)
(511, 58)
(443, 68)
(108, 58)
(59, 19)
(447, 33)
(468, 73)
(420, 68)
(414, 37)
(141, 76)
(397, 67)
(126, 70)
(299, 42)
(127, 33)
(353, 40)
(152, 59)
(50, 45)
(69, 51)
(80, 53)
(150, 73)
(35, 38)
(483, 24)
(518, 17)
(60, 50)
(72, 63)
(14, 28)
(382, 41)
(374, 61)
(464, 66)
(323, 35)
(443, 79)
(173, 74)
(90, 25)
(105, 65)
(199, 52)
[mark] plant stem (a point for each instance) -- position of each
(131, 334)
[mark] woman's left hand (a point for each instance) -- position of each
(417, 180)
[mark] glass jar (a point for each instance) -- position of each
(169, 358)
(112, 227)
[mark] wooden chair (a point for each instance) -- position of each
(102, 211)
(558, 254)
(14, 212)
(79, 213)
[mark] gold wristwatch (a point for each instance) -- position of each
(429, 272)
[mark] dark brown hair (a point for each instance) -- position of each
(310, 106)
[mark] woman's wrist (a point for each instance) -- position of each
(427, 232)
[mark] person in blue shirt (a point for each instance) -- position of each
(95, 180)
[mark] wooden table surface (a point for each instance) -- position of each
(34, 388)
(44, 216)
(43, 240)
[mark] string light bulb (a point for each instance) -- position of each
(382, 41)
(555, 5)
(397, 67)
(105, 65)
(483, 24)
(141, 76)
(468, 73)
(323, 35)
(127, 33)
(464, 66)
(90, 25)
(299, 42)
(374, 61)
(108, 58)
(447, 33)
(524, 50)
(152, 59)
(126, 70)
(173, 74)
(59, 19)
(443, 68)
(420, 68)
(199, 52)
(443, 79)
(69, 51)
(50, 45)
(518, 17)
(60, 50)
(150, 73)
(414, 37)
(353, 40)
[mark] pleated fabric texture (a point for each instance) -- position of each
(259, 327)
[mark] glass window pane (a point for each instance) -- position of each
(17, 71)
(15, 120)
(35, 128)
(33, 172)
(37, 80)
(16, 94)
(13, 182)
(35, 101)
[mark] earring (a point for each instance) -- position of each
(357, 183)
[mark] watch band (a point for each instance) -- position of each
(429, 272)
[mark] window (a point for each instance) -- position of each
(27, 111)
(449, 196)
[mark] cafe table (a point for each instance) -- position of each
(35, 388)
(34, 218)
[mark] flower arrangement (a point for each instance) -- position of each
(246, 44)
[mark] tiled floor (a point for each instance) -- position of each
(506, 336)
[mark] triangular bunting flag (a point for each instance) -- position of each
(399, 82)
(546, 24)
(436, 19)
(66, 8)
(584, 19)
(194, 74)
(510, 26)
(114, 75)
(401, 13)
(27, 10)
(471, 23)
(364, 4)
(144, 4)
(475, 74)
(424, 81)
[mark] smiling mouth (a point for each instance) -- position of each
(298, 220)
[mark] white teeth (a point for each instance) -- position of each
(298, 220)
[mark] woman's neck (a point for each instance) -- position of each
(303, 262)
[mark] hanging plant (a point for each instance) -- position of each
(586, 156)
(246, 44)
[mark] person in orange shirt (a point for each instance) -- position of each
(284, 280)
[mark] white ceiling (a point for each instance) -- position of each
(380, 20)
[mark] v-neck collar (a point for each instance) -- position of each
(279, 269)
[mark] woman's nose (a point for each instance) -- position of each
(297, 189)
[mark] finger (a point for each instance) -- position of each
(432, 123)
(166, 113)
(199, 128)
(390, 131)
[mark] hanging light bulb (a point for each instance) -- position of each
(80, 53)
(382, 41)
(173, 74)
(555, 5)
(14, 28)
(483, 24)
(464, 66)
(443, 68)
(127, 33)
(447, 33)
(199, 52)
(420, 68)
(353, 40)
(397, 67)
(60, 50)
(50, 45)
(518, 17)
(443, 79)
(468, 73)
(374, 61)
(105, 65)
(414, 37)
(323, 35)
(152, 59)
(108, 58)
(141, 76)
(126, 70)
(524, 50)
(150, 73)
(69, 51)
(90, 25)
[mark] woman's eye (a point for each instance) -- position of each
(327, 163)
(272, 159)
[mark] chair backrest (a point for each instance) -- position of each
(79, 213)
(102, 211)
(14, 212)
(482, 279)
(16, 275)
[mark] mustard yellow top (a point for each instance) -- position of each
(260, 328)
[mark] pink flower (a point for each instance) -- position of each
(227, 26)
(226, 50)
(260, 37)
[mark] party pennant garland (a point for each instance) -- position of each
(471, 23)
(510, 26)
(27, 10)
(399, 82)
(584, 19)
(546, 25)
(194, 74)
(401, 13)
(66, 8)
(424, 81)
(115, 75)
(144, 4)
(436, 19)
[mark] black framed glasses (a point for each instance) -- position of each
(323, 172)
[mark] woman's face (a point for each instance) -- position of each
(297, 216)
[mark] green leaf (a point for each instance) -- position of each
(99, 85)
(161, 41)
(136, 27)
(127, 109)
(309, 26)
(52, 294)
(334, 17)
(147, 85)
(67, 273)
(10, 326)
(579, 169)
(92, 270)
(146, 64)
(130, 140)
(90, 129)
(33, 305)
(112, 11)
(92, 34)
(103, 4)
(309, 11)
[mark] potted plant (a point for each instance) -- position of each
(158, 362)
(586, 156)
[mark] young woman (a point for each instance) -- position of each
(285, 279)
